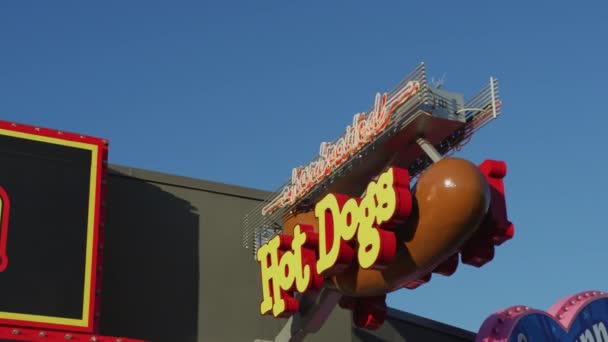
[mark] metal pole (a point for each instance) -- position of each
(493, 96)
(429, 149)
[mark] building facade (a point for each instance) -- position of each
(174, 268)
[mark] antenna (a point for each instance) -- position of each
(439, 82)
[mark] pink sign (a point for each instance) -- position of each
(580, 317)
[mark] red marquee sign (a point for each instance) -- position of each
(52, 183)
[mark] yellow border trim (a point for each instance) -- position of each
(84, 320)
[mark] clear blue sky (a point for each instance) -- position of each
(242, 91)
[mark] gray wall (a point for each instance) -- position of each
(174, 268)
(405, 327)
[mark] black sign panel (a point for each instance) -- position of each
(51, 184)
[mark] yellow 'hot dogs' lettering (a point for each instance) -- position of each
(343, 223)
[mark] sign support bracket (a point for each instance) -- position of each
(429, 149)
(315, 309)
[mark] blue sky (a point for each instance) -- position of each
(240, 92)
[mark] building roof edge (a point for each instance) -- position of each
(187, 182)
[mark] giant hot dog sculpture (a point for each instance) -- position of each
(371, 232)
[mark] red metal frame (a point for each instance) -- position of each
(98, 229)
(39, 335)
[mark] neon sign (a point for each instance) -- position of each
(363, 130)
(4, 212)
(346, 225)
